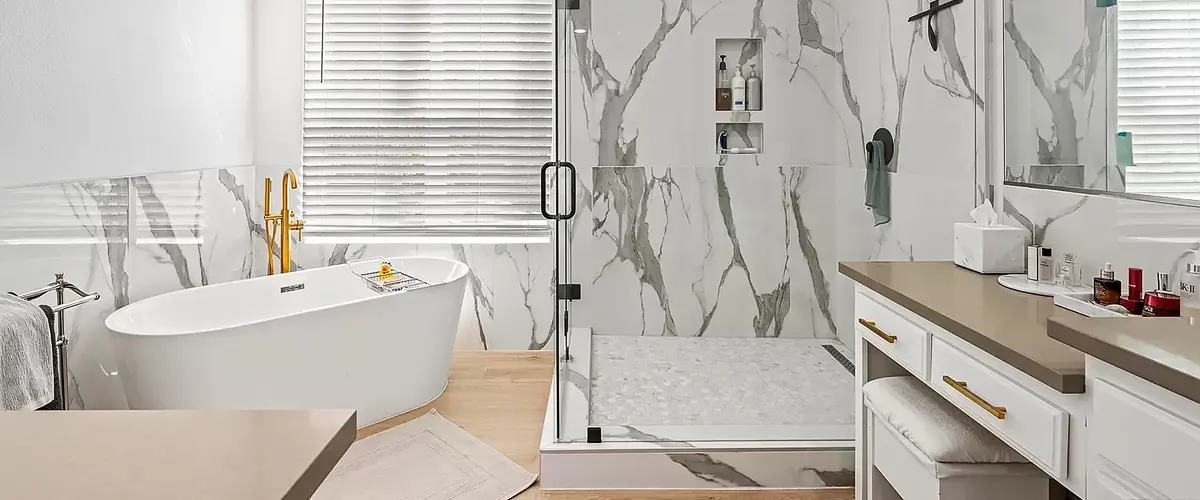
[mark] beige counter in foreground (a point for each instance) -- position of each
(156, 455)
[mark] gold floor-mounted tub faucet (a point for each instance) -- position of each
(281, 225)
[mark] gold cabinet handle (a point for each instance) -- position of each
(997, 411)
(891, 339)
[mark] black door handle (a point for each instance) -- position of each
(544, 181)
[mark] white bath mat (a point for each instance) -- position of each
(428, 458)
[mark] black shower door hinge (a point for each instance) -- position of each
(569, 291)
(568, 4)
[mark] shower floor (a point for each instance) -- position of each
(688, 381)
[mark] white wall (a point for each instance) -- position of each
(93, 89)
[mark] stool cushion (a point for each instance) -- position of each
(934, 425)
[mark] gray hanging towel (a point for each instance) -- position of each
(879, 187)
(26, 356)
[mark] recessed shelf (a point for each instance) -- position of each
(745, 54)
(741, 138)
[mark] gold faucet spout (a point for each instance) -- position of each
(288, 222)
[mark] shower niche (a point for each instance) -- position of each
(739, 138)
(737, 75)
(739, 95)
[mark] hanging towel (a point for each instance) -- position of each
(26, 355)
(879, 188)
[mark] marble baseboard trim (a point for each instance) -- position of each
(687, 435)
(697, 469)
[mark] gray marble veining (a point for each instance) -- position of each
(758, 260)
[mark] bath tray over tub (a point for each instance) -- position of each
(393, 280)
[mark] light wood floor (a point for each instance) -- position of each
(500, 397)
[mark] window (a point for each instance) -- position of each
(426, 119)
(1158, 94)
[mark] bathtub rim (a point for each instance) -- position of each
(461, 272)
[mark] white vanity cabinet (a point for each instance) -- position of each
(1043, 424)
(1107, 407)
(1143, 439)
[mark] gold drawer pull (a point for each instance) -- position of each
(891, 339)
(996, 411)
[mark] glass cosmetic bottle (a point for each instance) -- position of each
(1106, 288)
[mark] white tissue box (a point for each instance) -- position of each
(990, 249)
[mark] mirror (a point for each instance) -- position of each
(1103, 95)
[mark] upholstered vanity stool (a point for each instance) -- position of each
(921, 447)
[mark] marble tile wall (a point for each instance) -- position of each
(662, 240)
(710, 251)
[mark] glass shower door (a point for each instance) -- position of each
(560, 206)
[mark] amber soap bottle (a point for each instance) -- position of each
(1106, 288)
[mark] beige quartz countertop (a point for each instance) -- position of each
(156, 455)
(1007, 324)
(1165, 351)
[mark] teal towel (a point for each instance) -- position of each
(879, 188)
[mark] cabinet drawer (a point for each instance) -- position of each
(1154, 445)
(1024, 420)
(898, 338)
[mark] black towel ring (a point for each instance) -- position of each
(889, 146)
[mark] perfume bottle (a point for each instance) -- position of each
(1106, 288)
(1068, 271)
(1046, 266)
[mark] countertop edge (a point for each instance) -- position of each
(1066, 382)
(1153, 371)
(318, 470)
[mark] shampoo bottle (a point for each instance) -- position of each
(724, 93)
(739, 91)
(754, 91)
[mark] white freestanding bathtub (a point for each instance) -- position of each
(270, 343)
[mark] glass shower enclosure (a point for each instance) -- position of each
(692, 282)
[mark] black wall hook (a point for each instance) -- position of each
(935, 6)
(889, 146)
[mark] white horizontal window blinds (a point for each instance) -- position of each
(1158, 94)
(77, 213)
(426, 118)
